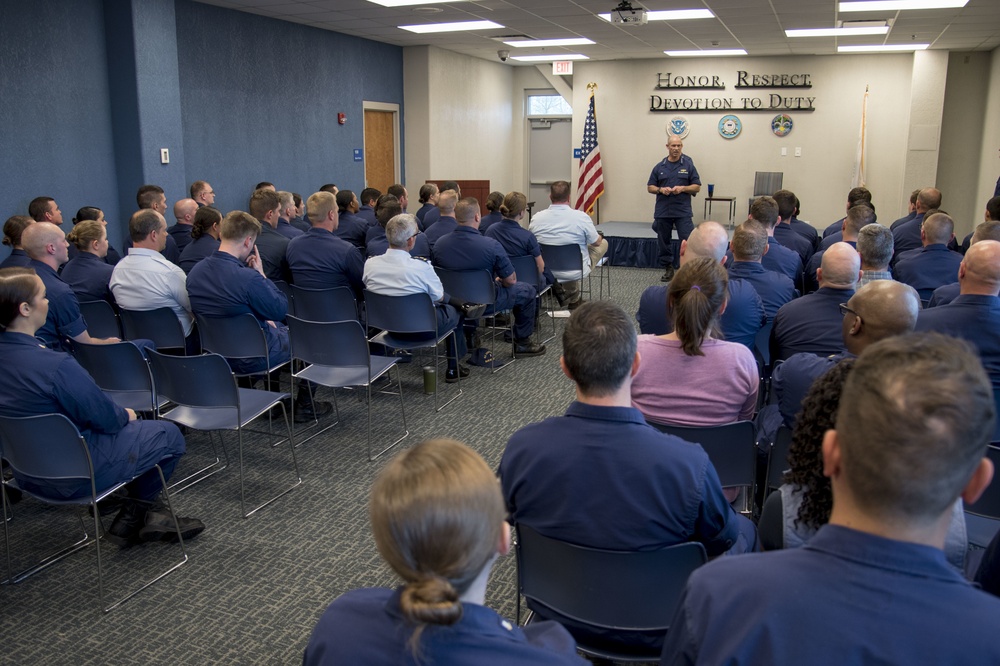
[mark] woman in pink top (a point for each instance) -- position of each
(689, 377)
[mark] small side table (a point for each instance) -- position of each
(732, 207)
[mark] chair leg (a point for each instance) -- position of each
(437, 368)
(295, 466)
(200, 475)
(402, 411)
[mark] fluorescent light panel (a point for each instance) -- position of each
(451, 27)
(570, 41)
(408, 3)
(881, 47)
(544, 58)
(837, 32)
(671, 15)
(900, 5)
(716, 52)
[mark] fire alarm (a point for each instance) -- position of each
(341, 118)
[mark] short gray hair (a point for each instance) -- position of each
(400, 229)
(875, 245)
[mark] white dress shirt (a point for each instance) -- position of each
(396, 273)
(561, 225)
(145, 280)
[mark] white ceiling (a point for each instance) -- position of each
(755, 25)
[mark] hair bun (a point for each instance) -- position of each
(431, 600)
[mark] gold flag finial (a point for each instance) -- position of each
(591, 87)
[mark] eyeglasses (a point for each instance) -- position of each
(844, 310)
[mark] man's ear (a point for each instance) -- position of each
(562, 364)
(636, 362)
(979, 482)
(832, 462)
(504, 546)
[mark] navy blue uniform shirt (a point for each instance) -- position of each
(773, 288)
(64, 319)
(320, 260)
(672, 174)
(811, 324)
(744, 315)
(88, 276)
(198, 249)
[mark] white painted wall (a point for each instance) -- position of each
(989, 164)
(632, 139)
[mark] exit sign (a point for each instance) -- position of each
(562, 68)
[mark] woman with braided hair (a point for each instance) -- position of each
(439, 521)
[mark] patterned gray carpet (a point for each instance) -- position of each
(254, 588)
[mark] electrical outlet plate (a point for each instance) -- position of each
(164, 156)
(798, 151)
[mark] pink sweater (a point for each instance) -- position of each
(717, 388)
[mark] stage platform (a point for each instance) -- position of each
(631, 244)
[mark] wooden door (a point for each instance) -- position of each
(380, 153)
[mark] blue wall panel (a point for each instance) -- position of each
(260, 97)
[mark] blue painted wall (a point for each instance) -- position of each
(55, 109)
(260, 97)
(252, 99)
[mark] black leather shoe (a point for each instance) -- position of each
(316, 410)
(451, 376)
(124, 530)
(160, 526)
(668, 274)
(528, 348)
(559, 292)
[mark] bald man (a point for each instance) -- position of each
(878, 310)
(46, 245)
(857, 218)
(744, 314)
(907, 235)
(933, 265)
(975, 313)
(989, 230)
(811, 324)
(184, 211)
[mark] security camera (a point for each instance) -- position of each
(503, 54)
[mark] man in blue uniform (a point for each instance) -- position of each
(802, 227)
(202, 193)
(366, 210)
(749, 246)
(812, 323)
(445, 222)
(875, 249)
(286, 213)
(911, 211)
(857, 218)
(376, 242)
(907, 235)
(600, 476)
(783, 232)
(319, 259)
(152, 197)
(232, 282)
(397, 273)
(265, 206)
(673, 181)
(856, 197)
(933, 265)
(873, 585)
(184, 211)
(778, 258)
(46, 246)
(466, 249)
(744, 314)
(989, 230)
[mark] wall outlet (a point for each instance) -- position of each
(784, 152)
(164, 156)
(798, 151)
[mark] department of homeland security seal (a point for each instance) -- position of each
(678, 126)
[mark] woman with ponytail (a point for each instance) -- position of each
(87, 273)
(690, 377)
(439, 521)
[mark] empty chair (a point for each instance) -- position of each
(765, 183)
(207, 397)
(335, 304)
(160, 325)
(476, 286)
(527, 271)
(49, 448)
(122, 372)
(617, 591)
(732, 448)
(337, 356)
(237, 337)
(102, 321)
(412, 316)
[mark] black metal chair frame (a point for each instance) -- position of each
(777, 459)
(560, 258)
(527, 271)
(478, 287)
(122, 372)
(607, 589)
(66, 456)
(102, 320)
(160, 325)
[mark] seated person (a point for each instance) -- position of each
(43, 381)
(515, 239)
(386, 208)
(493, 203)
(204, 237)
(87, 274)
(688, 377)
(601, 477)
(872, 586)
(232, 282)
(97, 215)
(12, 230)
(438, 520)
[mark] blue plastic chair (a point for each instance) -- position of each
(337, 356)
(123, 374)
(48, 447)
(160, 325)
(102, 320)
(208, 398)
(477, 286)
(527, 271)
(412, 315)
(336, 304)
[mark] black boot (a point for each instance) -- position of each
(124, 530)
(159, 525)
(307, 409)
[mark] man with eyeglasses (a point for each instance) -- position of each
(877, 311)
(202, 193)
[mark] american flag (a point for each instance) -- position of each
(590, 187)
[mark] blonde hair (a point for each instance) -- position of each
(437, 516)
(85, 233)
(513, 205)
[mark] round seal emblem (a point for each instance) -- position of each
(730, 127)
(781, 125)
(679, 127)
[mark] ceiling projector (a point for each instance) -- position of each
(625, 14)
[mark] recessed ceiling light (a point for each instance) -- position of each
(882, 47)
(671, 15)
(451, 27)
(544, 58)
(898, 5)
(407, 3)
(571, 41)
(837, 32)
(713, 52)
